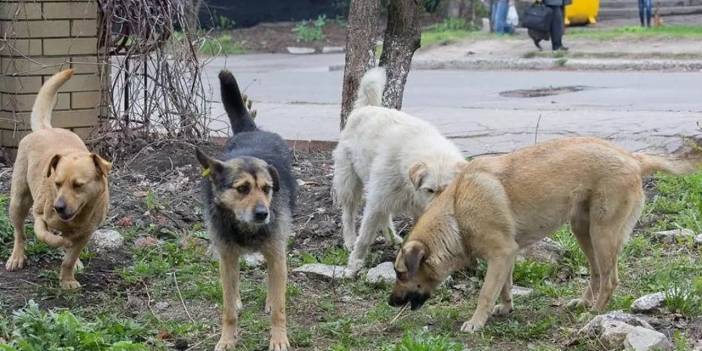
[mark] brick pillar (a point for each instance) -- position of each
(37, 39)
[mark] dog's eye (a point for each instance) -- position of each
(58, 184)
(77, 185)
(430, 191)
(243, 189)
(266, 189)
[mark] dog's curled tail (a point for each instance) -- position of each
(239, 116)
(370, 91)
(683, 164)
(46, 99)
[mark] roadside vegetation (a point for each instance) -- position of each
(636, 32)
(167, 295)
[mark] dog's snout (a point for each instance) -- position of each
(261, 213)
(60, 206)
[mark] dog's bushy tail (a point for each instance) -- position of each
(239, 116)
(46, 99)
(683, 164)
(370, 91)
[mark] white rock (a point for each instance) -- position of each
(162, 305)
(698, 239)
(670, 236)
(324, 270)
(296, 50)
(546, 250)
(106, 240)
(383, 273)
(332, 49)
(615, 332)
(642, 339)
(521, 291)
(301, 182)
(595, 326)
(254, 260)
(648, 303)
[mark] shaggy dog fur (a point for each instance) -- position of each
(400, 161)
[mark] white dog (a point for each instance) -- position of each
(402, 162)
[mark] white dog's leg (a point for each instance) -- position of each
(347, 194)
(390, 234)
(373, 218)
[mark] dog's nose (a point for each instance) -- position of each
(60, 206)
(261, 213)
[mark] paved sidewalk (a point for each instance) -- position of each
(299, 98)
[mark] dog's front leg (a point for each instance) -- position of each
(276, 260)
(497, 271)
(67, 279)
(229, 275)
(51, 239)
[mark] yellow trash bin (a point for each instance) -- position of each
(582, 12)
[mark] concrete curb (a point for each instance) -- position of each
(556, 64)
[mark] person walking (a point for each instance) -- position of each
(558, 23)
(645, 12)
(499, 17)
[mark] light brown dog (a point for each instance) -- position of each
(67, 185)
(497, 205)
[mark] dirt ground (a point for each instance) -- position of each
(276, 37)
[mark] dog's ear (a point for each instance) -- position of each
(274, 176)
(53, 164)
(103, 167)
(410, 258)
(209, 164)
(417, 173)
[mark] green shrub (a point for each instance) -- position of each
(309, 31)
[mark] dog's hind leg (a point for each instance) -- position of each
(373, 217)
(348, 193)
(580, 225)
(610, 230)
(276, 260)
(229, 276)
(20, 204)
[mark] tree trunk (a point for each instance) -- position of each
(402, 39)
(360, 50)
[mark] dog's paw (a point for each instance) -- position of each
(279, 342)
(575, 304)
(502, 310)
(69, 284)
(15, 262)
(225, 344)
(354, 267)
(471, 326)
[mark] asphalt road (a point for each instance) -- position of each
(299, 97)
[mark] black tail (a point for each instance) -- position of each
(239, 116)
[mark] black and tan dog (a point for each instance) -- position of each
(65, 183)
(497, 205)
(249, 194)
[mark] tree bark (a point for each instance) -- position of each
(360, 50)
(402, 39)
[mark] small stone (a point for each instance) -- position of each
(301, 182)
(671, 236)
(146, 241)
(106, 240)
(521, 291)
(698, 239)
(642, 339)
(546, 250)
(332, 49)
(160, 306)
(595, 326)
(461, 287)
(254, 260)
(383, 273)
(648, 303)
(324, 271)
(296, 50)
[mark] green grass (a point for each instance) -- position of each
(310, 31)
(678, 203)
(221, 45)
(636, 32)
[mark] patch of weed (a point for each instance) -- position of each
(221, 45)
(310, 31)
(532, 273)
(424, 342)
